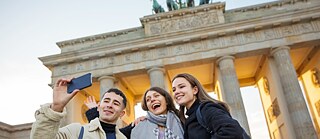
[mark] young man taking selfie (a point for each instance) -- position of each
(48, 117)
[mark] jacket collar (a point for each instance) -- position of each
(95, 125)
(193, 107)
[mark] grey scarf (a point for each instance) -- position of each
(149, 129)
(172, 124)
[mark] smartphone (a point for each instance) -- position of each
(81, 82)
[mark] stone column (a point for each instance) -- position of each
(106, 82)
(157, 77)
(231, 90)
(298, 111)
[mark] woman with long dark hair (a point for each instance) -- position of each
(189, 94)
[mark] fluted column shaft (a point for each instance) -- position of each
(157, 77)
(297, 107)
(106, 82)
(231, 90)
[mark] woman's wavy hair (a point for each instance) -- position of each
(202, 95)
(168, 98)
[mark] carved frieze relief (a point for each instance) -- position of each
(144, 55)
(214, 43)
(287, 31)
(267, 34)
(231, 40)
(79, 67)
(64, 70)
(187, 22)
(316, 25)
(249, 37)
(96, 64)
(305, 27)
(188, 47)
(161, 52)
(111, 61)
(179, 49)
(198, 46)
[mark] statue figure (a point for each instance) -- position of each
(172, 5)
(156, 7)
(190, 3)
(204, 2)
(181, 4)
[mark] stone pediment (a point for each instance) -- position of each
(184, 19)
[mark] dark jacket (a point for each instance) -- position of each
(218, 118)
(93, 113)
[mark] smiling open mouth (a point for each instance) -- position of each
(155, 106)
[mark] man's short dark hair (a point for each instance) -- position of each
(118, 92)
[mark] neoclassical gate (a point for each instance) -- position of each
(271, 45)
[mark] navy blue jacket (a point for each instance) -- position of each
(218, 118)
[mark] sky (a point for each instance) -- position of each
(30, 29)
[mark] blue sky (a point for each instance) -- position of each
(30, 29)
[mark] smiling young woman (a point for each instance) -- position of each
(189, 94)
(161, 121)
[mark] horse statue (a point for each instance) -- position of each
(204, 2)
(172, 5)
(190, 3)
(156, 7)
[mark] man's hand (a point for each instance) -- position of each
(138, 120)
(60, 95)
(91, 102)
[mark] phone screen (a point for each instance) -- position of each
(80, 83)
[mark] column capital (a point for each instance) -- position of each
(224, 57)
(276, 49)
(156, 69)
(107, 77)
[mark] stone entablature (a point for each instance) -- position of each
(176, 53)
(267, 9)
(203, 43)
(101, 39)
(256, 11)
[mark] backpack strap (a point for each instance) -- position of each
(203, 123)
(200, 118)
(81, 133)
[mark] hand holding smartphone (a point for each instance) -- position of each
(80, 83)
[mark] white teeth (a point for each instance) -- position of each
(178, 97)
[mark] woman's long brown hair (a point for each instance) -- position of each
(202, 95)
